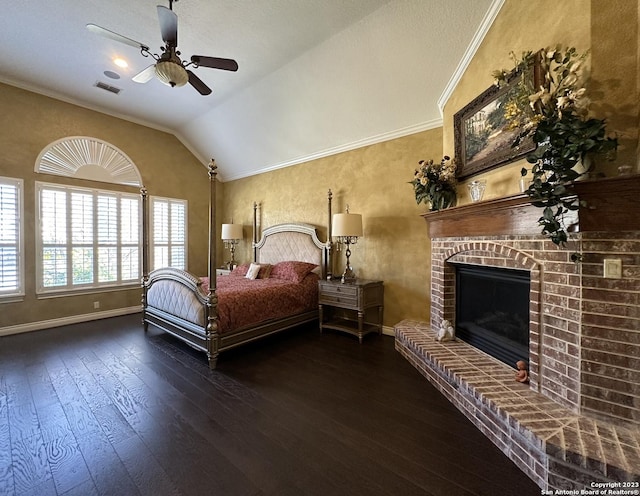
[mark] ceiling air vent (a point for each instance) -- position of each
(108, 87)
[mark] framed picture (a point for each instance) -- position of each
(483, 137)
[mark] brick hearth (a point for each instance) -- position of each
(555, 447)
(579, 419)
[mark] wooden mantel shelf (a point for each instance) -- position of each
(611, 204)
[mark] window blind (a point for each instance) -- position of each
(89, 238)
(169, 235)
(11, 274)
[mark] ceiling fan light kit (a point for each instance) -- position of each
(168, 68)
(171, 73)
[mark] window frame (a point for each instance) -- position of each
(19, 290)
(153, 200)
(96, 244)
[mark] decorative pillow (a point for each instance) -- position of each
(240, 270)
(292, 271)
(265, 271)
(254, 270)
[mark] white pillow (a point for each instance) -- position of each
(253, 271)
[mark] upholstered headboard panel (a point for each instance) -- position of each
(177, 293)
(285, 242)
(178, 300)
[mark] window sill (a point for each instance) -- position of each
(14, 298)
(65, 293)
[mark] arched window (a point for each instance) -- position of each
(83, 157)
(88, 238)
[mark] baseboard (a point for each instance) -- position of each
(74, 319)
(388, 331)
(87, 317)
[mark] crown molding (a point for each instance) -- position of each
(373, 140)
(470, 52)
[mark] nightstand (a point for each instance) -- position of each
(355, 307)
(222, 272)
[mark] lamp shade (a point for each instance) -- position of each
(231, 231)
(347, 225)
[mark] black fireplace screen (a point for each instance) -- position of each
(492, 311)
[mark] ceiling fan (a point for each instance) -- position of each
(168, 66)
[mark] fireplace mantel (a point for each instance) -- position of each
(611, 204)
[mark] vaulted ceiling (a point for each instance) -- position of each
(315, 77)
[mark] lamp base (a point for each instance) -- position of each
(348, 275)
(232, 264)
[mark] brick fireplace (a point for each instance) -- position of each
(579, 418)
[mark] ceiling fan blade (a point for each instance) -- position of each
(215, 62)
(145, 75)
(197, 83)
(94, 28)
(168, 25)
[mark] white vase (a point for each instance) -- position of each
(476, 190)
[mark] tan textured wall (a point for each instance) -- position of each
(519, 27)
(608, 29)
(616, 75)
(28, 123)
(374, 182)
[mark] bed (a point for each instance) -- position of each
(213, 314)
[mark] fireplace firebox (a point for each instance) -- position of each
(492, 310)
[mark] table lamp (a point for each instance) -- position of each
(347, 228)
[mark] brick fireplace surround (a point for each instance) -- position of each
(578, 421)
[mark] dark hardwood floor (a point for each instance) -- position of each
(102, 408)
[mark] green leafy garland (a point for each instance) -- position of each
(556, 115)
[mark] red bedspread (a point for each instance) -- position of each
(244, 302)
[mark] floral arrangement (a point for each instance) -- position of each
(560, 90)
(435, 183)
(554, 111)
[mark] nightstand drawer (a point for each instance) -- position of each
(338, 290)
(339, 295)
(337, 299)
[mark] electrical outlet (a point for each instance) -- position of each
(96, 305)
(613, 268)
